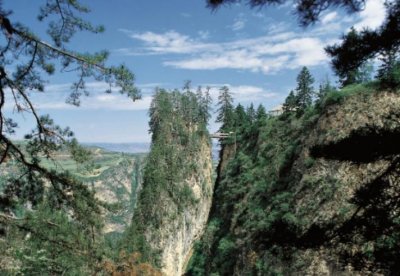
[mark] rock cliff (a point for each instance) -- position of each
(311, 195)
(175, 199)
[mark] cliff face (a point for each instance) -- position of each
(315, 195)
(355, 146)
(176, 235)
(173, 205)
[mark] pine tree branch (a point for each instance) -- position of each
(61, 51)
(26, 98)
(30, 65)
(11, 30)
(62, 17)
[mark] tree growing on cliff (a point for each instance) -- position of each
(241, 118)
(225, 110)
(304, 90)
(290, 103)
(302, 97)
(261, 114)
(205, 101)
(251, 113)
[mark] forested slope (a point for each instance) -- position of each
(309, 192)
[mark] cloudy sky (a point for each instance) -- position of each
(256, 52)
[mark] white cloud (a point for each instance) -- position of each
(170, 42)
(97, 102)
(329, 17)
(267, 54)
(259, 57)
(278, 50)
(55, 96)
(372, 16)
(250, 93)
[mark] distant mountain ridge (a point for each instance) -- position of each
(122, 147)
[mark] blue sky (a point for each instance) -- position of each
(256, 52)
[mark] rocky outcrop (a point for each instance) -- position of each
(353, 186)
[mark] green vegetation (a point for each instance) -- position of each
(350, 57)
(56, 243)
(270, 189)
(51, 220)
(302, 98)
(178, 124)
(256, 177)
(281, 194)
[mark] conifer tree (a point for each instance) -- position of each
(261, 114)
(304, 89)
(205, 101)
(290, 103)
(241, 119)
(225, 110)
(251, 113)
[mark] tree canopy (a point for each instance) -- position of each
(302, 97)
(304, 88)
(225, 109)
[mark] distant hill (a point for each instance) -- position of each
(122, 147)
